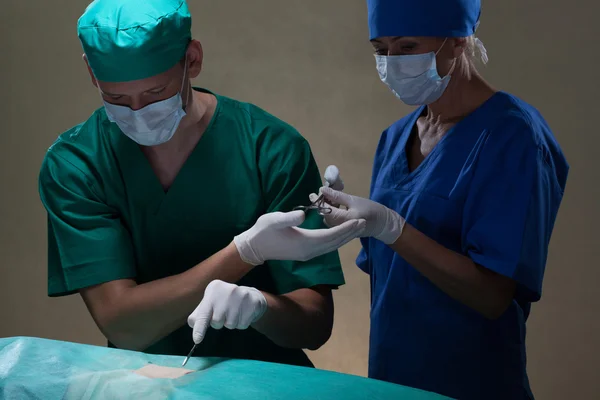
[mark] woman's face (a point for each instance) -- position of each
(447, 50)
(405, 45)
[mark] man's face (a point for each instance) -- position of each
(138, 94)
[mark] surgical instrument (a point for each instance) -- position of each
(189, 355)
(318, 204)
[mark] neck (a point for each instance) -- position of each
(192, 126)
(196, 106)
(466, 92)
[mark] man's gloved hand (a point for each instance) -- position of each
(226, 304)
(276, 236)
(382, 223)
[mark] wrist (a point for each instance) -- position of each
(245, 252)
(236, 257)
(393, 227)
(260, 321)
(263, 305)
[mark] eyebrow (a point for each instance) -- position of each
(147, 90)
(392, 39)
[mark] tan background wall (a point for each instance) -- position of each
(309, 63)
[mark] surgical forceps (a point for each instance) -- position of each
(318, 204)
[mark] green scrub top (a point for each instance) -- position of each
(109, 217)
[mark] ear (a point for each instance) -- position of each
(87, 64)
(195, 57)
(459, 45)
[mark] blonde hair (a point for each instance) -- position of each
(475, 51)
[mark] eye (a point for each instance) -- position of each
(381, 52)
(407, 48)
(158, 91)
(115, 97)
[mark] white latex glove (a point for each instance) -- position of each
(333, 178)
(226, 304)
(276, 236)
(382, 223)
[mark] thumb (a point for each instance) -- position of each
(336, 197)
(332, 176)
(283, 220)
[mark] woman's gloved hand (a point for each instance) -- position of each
(333, 178)
(382, 223)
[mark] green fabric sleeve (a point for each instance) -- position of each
(87, 243)
(289, 175)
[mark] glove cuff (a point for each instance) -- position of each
(247, 253)
(394, 225)
(262, 308)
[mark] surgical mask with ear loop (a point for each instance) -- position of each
(153, 124)
(414, 78)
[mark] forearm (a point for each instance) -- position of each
(458, 276)
(137, 316)
(302, 319)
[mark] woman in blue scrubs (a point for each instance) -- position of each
(464, 195)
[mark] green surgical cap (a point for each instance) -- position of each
(127, 40)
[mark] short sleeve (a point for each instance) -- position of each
(87, 244)
(289, 174)
(511, 207)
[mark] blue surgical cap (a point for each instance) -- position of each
(435, 18)
(127, 40)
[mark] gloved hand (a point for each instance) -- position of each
(226, 304)
(276, 236)
(382, 223)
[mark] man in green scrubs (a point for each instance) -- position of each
(169, 192)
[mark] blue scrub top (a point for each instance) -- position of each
(490, 190)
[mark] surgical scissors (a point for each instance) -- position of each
(318, 204)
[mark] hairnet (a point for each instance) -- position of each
(436, 18)
(126, 40)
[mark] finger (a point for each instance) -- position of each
(200, 324)
(246, 315)
(316, 236)
(313, 197)
(332, 176)
(203, 309)
(218, 319)
(346, 231)
(233, 319)
(334, 238)
(335, 242)
(336, 197)
(284, 220)
(349, 235)
(336, 217)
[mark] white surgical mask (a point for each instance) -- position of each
(413, 78)
(152, 125)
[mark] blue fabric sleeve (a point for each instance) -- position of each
(511, 207)
(362, 261)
